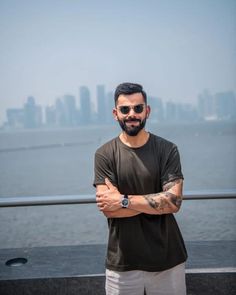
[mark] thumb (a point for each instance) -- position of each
(109, 184)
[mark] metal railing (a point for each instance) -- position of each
(90, 199)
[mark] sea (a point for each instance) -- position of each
(46, 162)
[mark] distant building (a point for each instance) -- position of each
(85, 112)
(102, 107)
(225, 105)
(15, 118)
(206, 106)
(32, 114)
(157, 109)
(60, 113)
(170, 111)
(186, 112)
(110, 107)
(63, 113)
(70, 111)
(50, 116)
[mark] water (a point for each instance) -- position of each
(60, 162)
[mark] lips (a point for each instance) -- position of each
(132, 121)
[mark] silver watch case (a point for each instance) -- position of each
(125, 202)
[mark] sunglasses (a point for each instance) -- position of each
(138, 109)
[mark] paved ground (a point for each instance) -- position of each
(70, 261)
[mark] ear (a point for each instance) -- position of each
(148, 111)
(114, 112)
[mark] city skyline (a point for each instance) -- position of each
(175, 49)
(70, 111)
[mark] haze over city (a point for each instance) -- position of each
(175, 49)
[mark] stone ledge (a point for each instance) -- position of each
(210, 269)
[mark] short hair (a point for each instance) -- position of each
(129, 88)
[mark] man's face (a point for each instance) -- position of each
(131, 112)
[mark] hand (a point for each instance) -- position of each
(110, 199)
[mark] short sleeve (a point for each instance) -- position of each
(103, 168)
(171, 166)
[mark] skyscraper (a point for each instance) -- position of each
(157, 110)
(171, 111)
(110, 106)
(225, 105)
(70, 110)
(206, 106)
(85, 113)
(102, 107)
(32, 114)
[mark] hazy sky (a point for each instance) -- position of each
(175, 48)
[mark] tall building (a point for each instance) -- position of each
(32, 114)
(171, 112)
(110, 107)
(157, 109)
(63, 114)
(206, 106)
(70, 112)
(50, 116)
(102, 107)
(225, 105)
(60, 113)
(85, 113)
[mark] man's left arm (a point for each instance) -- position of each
(165, 202)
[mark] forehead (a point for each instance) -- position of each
(130, 99)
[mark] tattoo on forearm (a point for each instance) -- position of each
(169, 185)
(159, 204)
(161, 201)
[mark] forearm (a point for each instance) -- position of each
(168, 201)
(121, 213)
(153, 204)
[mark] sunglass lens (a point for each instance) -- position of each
(138, 108)
(124, 110)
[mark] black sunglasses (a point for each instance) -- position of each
(138, 109)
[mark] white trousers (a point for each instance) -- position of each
(136, 282)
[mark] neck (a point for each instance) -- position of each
(135, 141)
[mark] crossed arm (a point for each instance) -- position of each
(168, 201)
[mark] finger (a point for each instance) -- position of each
(99, 194)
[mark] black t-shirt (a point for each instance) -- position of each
(143, 242)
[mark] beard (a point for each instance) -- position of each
(132, 130)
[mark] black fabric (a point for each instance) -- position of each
(145, 242)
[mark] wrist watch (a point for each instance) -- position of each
(125, 201)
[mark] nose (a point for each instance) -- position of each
(132, 112)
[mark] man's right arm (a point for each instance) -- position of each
(119, 213)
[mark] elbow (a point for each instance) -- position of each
(178, 203)
(176, 210)
(177, 206)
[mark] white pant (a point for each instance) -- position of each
(135, 282)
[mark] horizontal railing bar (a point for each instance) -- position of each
(210, 195)
(90, 199)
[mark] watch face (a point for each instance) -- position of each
(125, 203)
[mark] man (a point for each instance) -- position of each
(139, 183)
